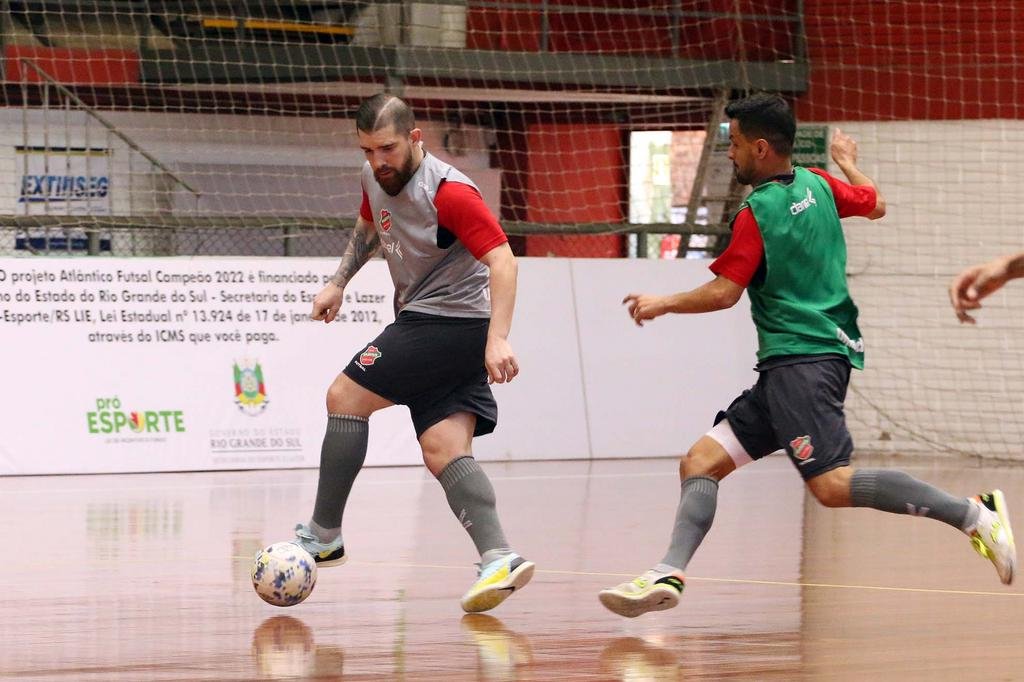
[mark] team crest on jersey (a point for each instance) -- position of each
(385, 220)
(369, 356)
(802, 448)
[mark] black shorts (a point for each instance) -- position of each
(432, 364)
(798, 407)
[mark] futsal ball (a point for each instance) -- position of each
(283, 574)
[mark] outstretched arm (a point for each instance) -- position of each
(718, 294)
(362, 245)
(978, 281)
(844, 153)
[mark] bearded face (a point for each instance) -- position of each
(392, 179)
(742, 152)
(392, 156)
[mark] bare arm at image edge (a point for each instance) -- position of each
(978, 281)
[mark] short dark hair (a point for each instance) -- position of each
(765, 116)
(383, 110)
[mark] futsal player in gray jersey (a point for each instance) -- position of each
(455, 287)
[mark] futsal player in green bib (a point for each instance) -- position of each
(788, 252)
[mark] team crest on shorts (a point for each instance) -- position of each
(802, 448)
(369, 356)
(385, 220)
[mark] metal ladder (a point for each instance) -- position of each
(714, 186)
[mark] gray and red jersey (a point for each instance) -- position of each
(433, 262)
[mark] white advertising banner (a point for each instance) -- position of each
(166, 364)
(120, 365)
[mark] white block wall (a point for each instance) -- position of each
(931, 385)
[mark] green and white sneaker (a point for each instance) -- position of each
(496, 582)
(651, 591)
(992, 536)
(323, 553)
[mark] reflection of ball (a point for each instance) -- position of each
(283, 647)
(283, 574)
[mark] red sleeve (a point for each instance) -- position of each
(851, 200)
(740, 260)
(364, 211)
(462, 211)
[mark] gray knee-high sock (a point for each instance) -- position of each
(900, 493)
(471, 497)
(341, 458)
(696, 512)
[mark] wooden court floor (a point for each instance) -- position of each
(145, 577)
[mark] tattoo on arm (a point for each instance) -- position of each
(361, 248)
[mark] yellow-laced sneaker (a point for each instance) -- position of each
(496, 583)
(651, 591)
(323, 553)
(992, 536)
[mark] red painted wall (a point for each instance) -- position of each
(644, 29)
(940, 59)
(874, 60)
(72, 66)
(576, 175)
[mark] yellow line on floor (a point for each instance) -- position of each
(740, 581)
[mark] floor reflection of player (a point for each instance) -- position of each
(633, 658)
(499, 650)
(283, 647)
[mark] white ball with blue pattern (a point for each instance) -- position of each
(283, 574)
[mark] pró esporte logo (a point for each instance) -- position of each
(110, 417)
(250, 390)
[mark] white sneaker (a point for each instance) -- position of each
(992, 536)
(651, 591)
